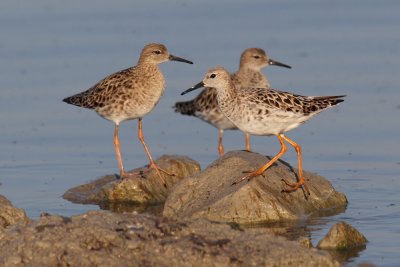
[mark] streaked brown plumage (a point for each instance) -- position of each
(265, 111)
(129, 94)
(205, 106)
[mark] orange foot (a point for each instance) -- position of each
(155, 166)
(152, 165)
(295, 186)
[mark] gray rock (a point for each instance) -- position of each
(342, 236)
(139, 189)
(211, 195)
(102, 238)
(9, 214)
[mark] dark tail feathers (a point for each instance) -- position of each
(70, 100)
(73, 100)
(185, 108)
(80, 101)
(319, 103)
(329, 100)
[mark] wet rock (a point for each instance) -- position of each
(210, 194)
(305, 242)
(128, 239)
(145, 187)
(9, 214)
(343, 236)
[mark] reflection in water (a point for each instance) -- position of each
(301, 231)
(121, 207)
(343, 256)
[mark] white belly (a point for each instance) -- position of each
(272, 124)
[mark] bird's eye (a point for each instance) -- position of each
(157, 52)
(257, 57)
(212, 76)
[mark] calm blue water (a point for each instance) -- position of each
(52, 49)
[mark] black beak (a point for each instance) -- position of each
(174, 58)
(277, 63)
(197, 86)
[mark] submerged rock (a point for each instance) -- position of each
(146, 187)
(343, 236)
(102, 238)
(210, 194)
(9, 214)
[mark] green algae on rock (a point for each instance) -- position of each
(146, 187)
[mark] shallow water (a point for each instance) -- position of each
(52, 49)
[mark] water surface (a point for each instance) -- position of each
(52, 49)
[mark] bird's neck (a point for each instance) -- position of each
(152, 76)
(149, 68)
(227, 96)
(250, 77)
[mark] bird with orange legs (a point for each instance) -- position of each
(129, 94)
(265, 111)
(205, 106)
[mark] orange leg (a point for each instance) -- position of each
(152, 163)
(247, 139)
(220, 146)
(122, 173)
(301, 182)
(268, 164)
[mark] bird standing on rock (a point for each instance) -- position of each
(205, 106)
(264, 111)
(129, 94)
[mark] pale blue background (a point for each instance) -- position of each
(52, 49)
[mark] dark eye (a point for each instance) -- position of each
(257, 57)
(212, 76)
(157, 52)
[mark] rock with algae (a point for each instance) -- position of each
(146, 187)
(9, 214)
(103, 238)
(342, 236)
(211, 195)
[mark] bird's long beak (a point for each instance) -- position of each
(277, 63)
(197, 86)
(175, 58)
